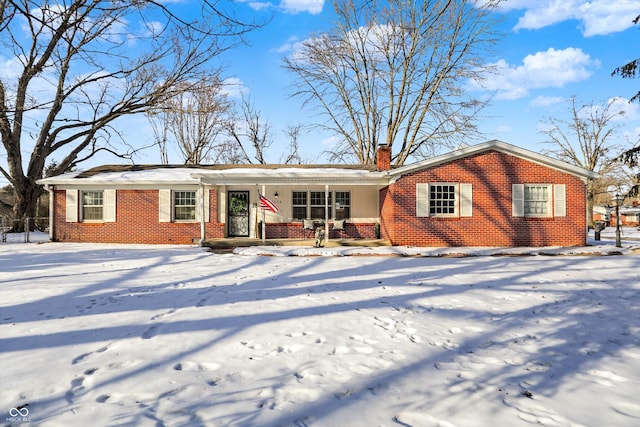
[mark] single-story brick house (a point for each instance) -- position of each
(490, 194)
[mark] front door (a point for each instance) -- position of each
(238, 213)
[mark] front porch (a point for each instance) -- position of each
(230, 243)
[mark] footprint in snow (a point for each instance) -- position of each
(605, 378)
(419, 419)
(533, 411)
(629, 409)
(150, 332)
(161, 315)
(86, 356)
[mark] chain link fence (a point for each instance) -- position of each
(16, 227)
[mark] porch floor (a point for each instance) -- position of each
(237, 242)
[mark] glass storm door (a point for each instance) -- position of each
(238, 213)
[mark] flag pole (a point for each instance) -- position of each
(264, 224)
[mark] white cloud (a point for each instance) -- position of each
(631, 110)
(10, 68)
(331, 141)
(547, 101)
(551, 68)
(234, 87)
(313, 7)
(293, 7)
(289, 46)
(257, 5)
(596, 17)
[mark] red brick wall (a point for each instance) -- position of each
(491, 174)
(387, 212)
(136, 222)
(383, 160)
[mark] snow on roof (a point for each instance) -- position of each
(124, 176)
(286, 174)
(216, 174)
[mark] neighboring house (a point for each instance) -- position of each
(629, 216)
(490, 194)
(603, 213)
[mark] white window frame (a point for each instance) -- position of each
(547, 206)
(308, 206)
(75, 209)
(463, 200)
(175, 206)
(456, 200)
(167, 208)
(556, 200)
(83, 205)
(337, 206)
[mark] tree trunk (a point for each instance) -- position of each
(26, 204)
(590, 201)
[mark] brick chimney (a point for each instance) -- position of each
(383, 160)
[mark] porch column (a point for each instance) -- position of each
(203, 236)
(264, 223)
(326, 212)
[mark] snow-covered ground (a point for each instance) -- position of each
(133, 335)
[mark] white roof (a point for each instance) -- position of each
(293, 176)
(125, 177)
(158, 175)
(161, 175)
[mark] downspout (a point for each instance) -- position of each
(51, 192)
(202, 214)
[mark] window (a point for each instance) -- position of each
(318, 204)
(536, 200)
(184, 205)
(92, 205)
(299, 210)
(311, 204)
(343, 205)
(539, 200)
(442, 199)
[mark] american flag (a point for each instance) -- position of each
(268, 204)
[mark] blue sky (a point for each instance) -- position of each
(551, 50)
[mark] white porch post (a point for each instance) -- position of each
(326, 212)
(264, 223)
(52, 205)
(202, 214)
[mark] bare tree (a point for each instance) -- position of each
(82, 64)
(587, 140)
(293, 134)
(249, 139)
(196, 117)
(392, 72)
(249, 132)
(160, 127)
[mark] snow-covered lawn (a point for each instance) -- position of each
(132, 335)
